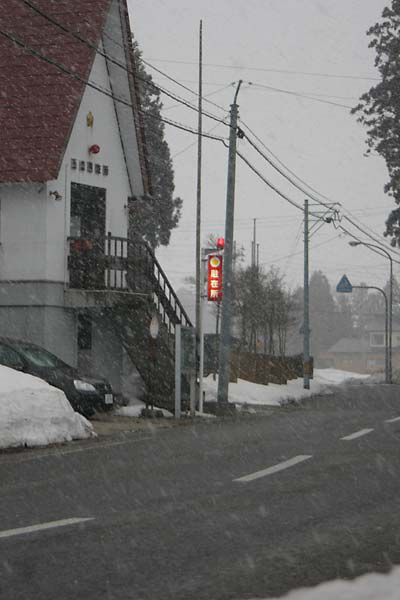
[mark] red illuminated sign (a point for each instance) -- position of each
(214, 288)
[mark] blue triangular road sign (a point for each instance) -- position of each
(344, 285)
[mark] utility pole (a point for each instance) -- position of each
(198, 221)
(306, 319)
(227, 296)
(253, 245)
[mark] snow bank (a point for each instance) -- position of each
(367, 587)
(33, 413)
(246, 392)
(336, 377)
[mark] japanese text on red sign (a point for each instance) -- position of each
(214, 288)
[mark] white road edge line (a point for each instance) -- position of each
(392, 420)
(357, 434)
(271, 470)
(42, 526)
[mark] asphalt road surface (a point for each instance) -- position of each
(225, 509)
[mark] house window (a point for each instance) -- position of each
(377, 340)
(73, 163)
(81, 165)
(84, 332)
(97, 169)
(105, 170)
(89, 167)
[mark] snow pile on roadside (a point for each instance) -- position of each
(336, 377)
(368, 587)
(246, 392)
(33, 413)
(135, 410)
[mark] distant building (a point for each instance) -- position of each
(365, 354)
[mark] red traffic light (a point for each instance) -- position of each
(220, 243)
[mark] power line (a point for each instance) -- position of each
(284, 165)
(268, 183)
(370, 236)
(358, 239)
(271, 70)
(98, 88)
(205, 97)
(117, 62)
(193, 143)
(298, 94)
(185, 87)
(290, 179)
(343, 210)
(148, 115)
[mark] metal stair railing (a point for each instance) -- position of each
(118, 263)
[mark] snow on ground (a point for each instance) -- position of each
(246, 392)
(335, 376)
(33, 413)
(367, 587)
(135, 410)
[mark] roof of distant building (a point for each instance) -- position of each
(350, 346)
(38, 101)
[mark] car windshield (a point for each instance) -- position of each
(39, 357)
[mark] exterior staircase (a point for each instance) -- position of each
(130, 272)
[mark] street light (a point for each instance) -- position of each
(354, 243)
(344, 286)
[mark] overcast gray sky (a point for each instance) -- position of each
(322, 143)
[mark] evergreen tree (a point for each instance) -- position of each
(322, 312)
(379, 108)
(154, 217)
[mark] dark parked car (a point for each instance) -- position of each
(85, 394)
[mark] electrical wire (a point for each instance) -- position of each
(117, 62)
(204, 97)
(271, 70)
(98, 88)
(177, 98)
(193, 143)
(185, 87)
(290, 179)
(359, 226)
(298, 94)
(268, 183)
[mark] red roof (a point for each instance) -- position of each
(38, 102)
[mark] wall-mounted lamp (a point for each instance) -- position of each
(56, 195)
(90, 119)
(94, 149)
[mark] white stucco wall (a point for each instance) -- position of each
(34, 226)
(23, 234)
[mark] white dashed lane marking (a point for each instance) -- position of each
(357, 434)
(271, 470)
(42, 526)
(392, 420)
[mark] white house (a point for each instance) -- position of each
(72, 155)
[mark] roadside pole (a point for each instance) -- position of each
(178, 370)
(201, 332)
(198, 219)
(306, 318)
(227, 295)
